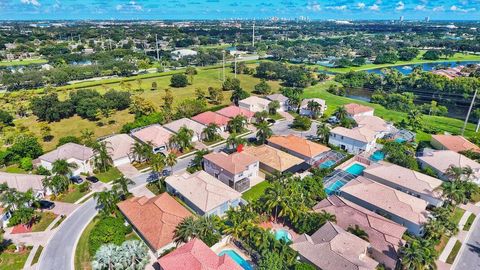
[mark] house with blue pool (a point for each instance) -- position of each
(203, 193)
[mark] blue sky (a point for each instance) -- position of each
(248, 9)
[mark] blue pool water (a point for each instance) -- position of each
(327, 164)
(355, 169)
(377, 156)
(239, 260)
(400, 140)
(284, 235)
(334, 187)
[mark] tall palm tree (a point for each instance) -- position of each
(263, 132)
(140, 151)
(103, 161)
(453, 192)
(182, 140)
(323, 133)
(326, 216)
(123, 183)
(274, 199)
(57, 183)
(418, 254)
(185, 230)
(106, 201)
(62, 167)
(237, 124)
(233, 141)
(454, 173)
(357, 231)
(273, 107)
(171, 160)
(341, 113)
(210, 132)
(158, 162)
(314, 107)
(260, 116)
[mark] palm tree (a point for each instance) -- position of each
(103, 161)
(274, 199)
(326, 216)
(233, 141)
(171, 160)
(182, 140)
(273, 107)
(62, 167)
(454, 173)
(106, 201)
(57, 183)
(263, 132)
(418, 254)
(237, 124)
(140, 151)
(453, 192)
(341, 113)
(295, 102)
(185, 230)
(357, 231)
(260, 116)
(314, 107)
(123, 183)
(158, 162)
(210, 132)
(323, 133)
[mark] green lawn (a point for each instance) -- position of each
(441, 245)
(82, 254)
(25, 62)
(109, 175)
(418, 60)
(469, 222)
(73, 195)
(14, 169)
(37, 255)
(256, 191)
(13, 261)
(457, 215)
(453, 254)
(443, 123)
(46, 219)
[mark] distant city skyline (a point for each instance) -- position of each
(239, 9)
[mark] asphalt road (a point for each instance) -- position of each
(470, 254)
(60, 250)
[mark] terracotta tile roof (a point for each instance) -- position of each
(119, 145)
(234, 163)
(442, 159)
(203, 190)
(388, 199)
(273, 158)
(22, 182)
(232, 111)
(455, 143)
(332, 248)
(384, 235)
(299, 145)
(401, 176)
(189, 123)
(359, 134)
(155, 134)
(354, 109)
(211, 117)
(196, 255)
(156, 218)
(67, 151)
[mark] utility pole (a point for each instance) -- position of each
(253, 35)
(156, 46)
(469, 111)
(223, 65)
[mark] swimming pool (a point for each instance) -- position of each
(237, 258)
(334, 187)
(377, 156)
(400, 140)
(327, 164)
(281, 234)
(355, 169)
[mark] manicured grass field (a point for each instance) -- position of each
(469, 222)
(457, 215)
(46, 219)
(25, 62)
(418, 60)
(454, 252)
(256, 191)
(13, 261)
(109, 175)
(450, 125)
(13, 169)
(73, 195)
(82, 254)
(37, 255)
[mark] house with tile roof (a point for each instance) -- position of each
(454, 143)
(354, 109)
(196, 255)
(384, 235)
(302, 148)
(235, 170)
(400, 207)
(274, 160)
(203, 193)
(406, 180)
(155, 135)
(196, 127)
(80, 155)
(154, 219)
(119, 148)
(210, 117)
(23, 182)
(333, 248)
(282, 100)
(254, 104)
(233, 111)
(304, 110)
(439, 161)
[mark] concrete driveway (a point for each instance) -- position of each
(62, 208)
(129, 170)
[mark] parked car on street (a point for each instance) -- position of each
(92, 179)
(76, 179)
(46, 205)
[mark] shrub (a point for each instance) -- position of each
(68, 139)
(107, 230)
(26, 163)
(179, 80)
(302, 123)
(5, 118)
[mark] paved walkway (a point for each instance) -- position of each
(142, 191)
(287, 116)
(448, 248)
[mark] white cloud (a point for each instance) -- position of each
(460, 9)
(374, 7)
(314, 6)
(130, 6)
(361, 5)
(135, 6)
(119, 7)
(343, 7)
(420, 7)
(400, 6)
(31, 2)
(439, 8)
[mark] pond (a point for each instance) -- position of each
(407, 69)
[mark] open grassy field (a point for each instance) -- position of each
(46, 218)
(417, 60)
(13, 261)
(25, 62)
(74, 125)
(333, 102)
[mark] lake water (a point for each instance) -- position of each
(407, 69)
